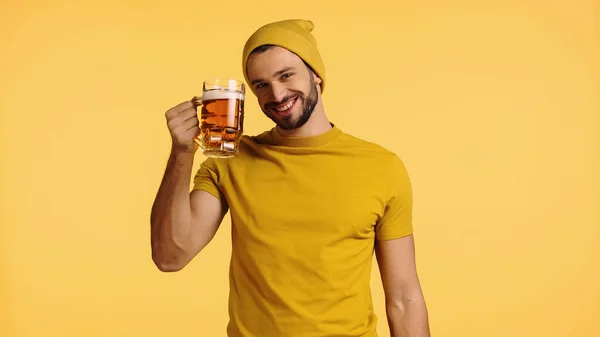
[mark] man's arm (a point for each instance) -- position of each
(182, 223)
(404, 301)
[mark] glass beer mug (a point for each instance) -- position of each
(221, 117)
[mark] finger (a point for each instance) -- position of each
(182, 117)
(192, 117)
(190, 123)
(189, 113)
(179, 108)
(194, 131)
(196, 101)
(182, 128)
(189, 134)
(185, 114)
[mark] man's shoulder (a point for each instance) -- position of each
(370, 147)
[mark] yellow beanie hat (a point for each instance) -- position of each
(293, 35)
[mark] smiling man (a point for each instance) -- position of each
(309, 204)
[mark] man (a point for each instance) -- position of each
(309, 205)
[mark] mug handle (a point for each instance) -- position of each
(197, 102)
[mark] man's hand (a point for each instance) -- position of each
(183, 124)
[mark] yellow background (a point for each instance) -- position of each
(493, 105)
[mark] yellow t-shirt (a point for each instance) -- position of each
(305, 213)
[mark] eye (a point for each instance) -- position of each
(286, 75)
(260, 85)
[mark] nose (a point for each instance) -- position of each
(278, 92)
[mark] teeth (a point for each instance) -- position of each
(287, 106)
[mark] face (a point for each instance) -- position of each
(285, 87)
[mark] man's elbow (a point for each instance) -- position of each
(169, 267)
(399, 304)
(395, 306)
(169, 263)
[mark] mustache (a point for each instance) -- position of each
(283, 101)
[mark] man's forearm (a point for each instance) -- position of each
(171, 212)
(408, 317)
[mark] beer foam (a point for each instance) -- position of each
(221, 94)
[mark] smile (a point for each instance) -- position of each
(284, 108)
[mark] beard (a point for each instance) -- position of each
(291, 122)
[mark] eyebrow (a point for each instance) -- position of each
(277, 74)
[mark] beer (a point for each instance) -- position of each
(221, 122)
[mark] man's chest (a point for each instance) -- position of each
(306, 197)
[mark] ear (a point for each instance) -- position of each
(316, 77)
(318, 82)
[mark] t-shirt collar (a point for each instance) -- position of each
(312, 141)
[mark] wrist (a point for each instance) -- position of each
(184, 150)
(182, 154)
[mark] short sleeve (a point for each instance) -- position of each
(209, 175)
(396, 221)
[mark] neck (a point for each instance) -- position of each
(316, 125)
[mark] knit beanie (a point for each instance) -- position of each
(293, 35)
